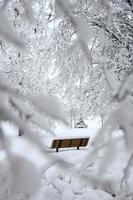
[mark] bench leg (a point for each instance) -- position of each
(77, 148)
(56, 149)
(20, 133)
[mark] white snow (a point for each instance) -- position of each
(58, 184)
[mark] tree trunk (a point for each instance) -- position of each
(71, 116)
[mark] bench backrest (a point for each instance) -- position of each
(65, 143)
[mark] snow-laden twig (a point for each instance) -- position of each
(127, 172)
(123, 192)
(66, 10)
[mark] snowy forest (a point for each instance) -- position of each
(63, 64)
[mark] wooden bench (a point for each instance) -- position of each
(67, 143)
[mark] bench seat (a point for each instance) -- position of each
(71, 142)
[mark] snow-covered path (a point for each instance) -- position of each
(57, 184)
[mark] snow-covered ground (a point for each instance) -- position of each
(61, 184)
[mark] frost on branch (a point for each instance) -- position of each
(41, 105)
(35, 109)
(76, 23)
(28, 10)
(7, 31)
(24, 176)
(58, 7)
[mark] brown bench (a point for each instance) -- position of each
(67, 143)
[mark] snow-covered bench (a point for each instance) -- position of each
(71, 142)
